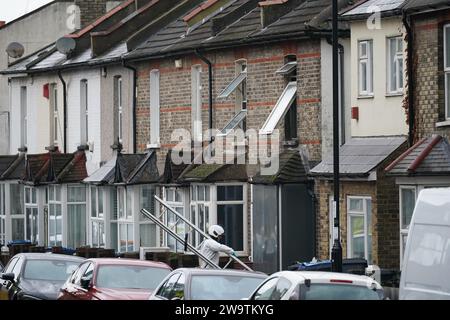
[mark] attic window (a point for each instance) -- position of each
(233, 84)
(287, 68)
(238, 118)
(281, 107)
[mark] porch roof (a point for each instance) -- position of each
(16, 169)
(6, 162)
(293, 168)
(428, 157)
(360, 156)
(127, 169)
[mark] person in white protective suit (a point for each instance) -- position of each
(211, 248)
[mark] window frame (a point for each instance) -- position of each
(363, 214)
(145, 221)
(2, 214)
(33, 220)
(98, 218)
(14, 216)
(126, 219)
(185, 196)
(197, 203)
(77, 203)
(446, 71)
(368, 60)
(84, 112)
(399, 55)
(404, 231)
(155, 107)
(196, 103)
(53, 201)
(24, 116)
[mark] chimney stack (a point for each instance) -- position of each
(272, 10)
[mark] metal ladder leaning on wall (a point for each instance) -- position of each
(166, 209)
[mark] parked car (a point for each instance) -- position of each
(426, 261)
(114, 279)
(36, 276)
(317, 285)
(207, 284)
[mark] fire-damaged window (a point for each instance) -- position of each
(286, 105)
(239, 86)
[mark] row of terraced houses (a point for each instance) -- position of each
(92, 114)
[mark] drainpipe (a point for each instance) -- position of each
(341, 86)
(64, 108)
(134, 102)
(411, 111)
(210, 93)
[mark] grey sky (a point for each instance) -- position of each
(12, 9)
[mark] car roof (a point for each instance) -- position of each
(48, 256)
(321, 276)
(133, 262)
(231, 272)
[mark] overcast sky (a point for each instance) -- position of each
(12, 9)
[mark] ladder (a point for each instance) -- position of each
(166, 209)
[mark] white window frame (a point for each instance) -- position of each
(126, 219)
(2, 214)
(244, 203)
(97, 216)
(10, 215)
(394, 60)
(181, 204)
(84, 111)
(155, 107)
(446, 72)
(363, 214)
(33, 220)
(54, 116)
(196, 103)
(55, 202)
(194, 211)
(144, 220)
(368, 60)
(24, 115)
(404, 231)
(77, 203)
(281, 108)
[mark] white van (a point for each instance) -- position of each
(426, 264)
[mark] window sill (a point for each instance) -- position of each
(441, 124)
(366, 97)
(394, 94)
(153, 146)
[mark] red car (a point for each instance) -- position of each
(114, 279)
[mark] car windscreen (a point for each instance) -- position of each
(130, 277)
(223, 287)
(339, 292)
(49, 270)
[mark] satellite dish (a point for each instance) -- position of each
(15, 50)
(65, 45)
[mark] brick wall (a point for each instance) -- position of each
(263, 85)
(90, 10)
(429, 95)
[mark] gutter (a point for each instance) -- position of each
(210, 90)
(411, 111)
(134, 70)
(64, 108)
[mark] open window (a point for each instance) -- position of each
(239, 86)
(286, 105)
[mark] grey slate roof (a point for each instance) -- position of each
(245, 29)
(437, 162)
(359, 156)
(416, 5)
(382, 5)
(127, 169)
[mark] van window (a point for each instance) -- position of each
(428, 261)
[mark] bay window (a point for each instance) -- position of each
(54, 216)
(114, 218)
(200, 210)
(147, 229)
(76, 216)
(176, 199)
(125, 220)
(17, 213)
(97, 218)
(31, 215)
(359, 228)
